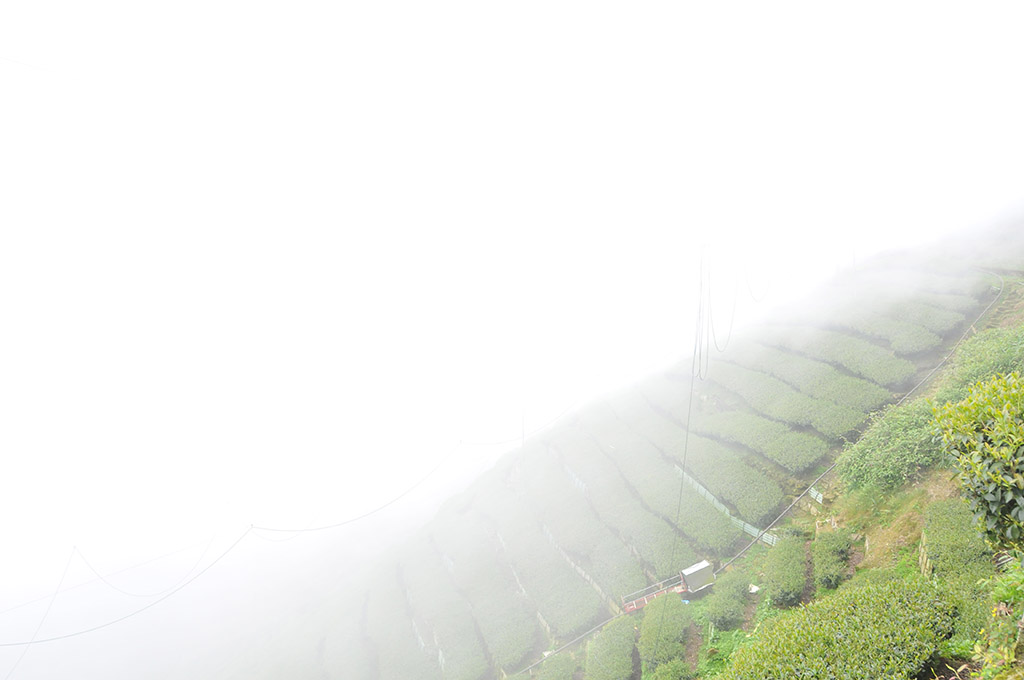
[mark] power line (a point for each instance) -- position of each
(46, 613)
(137, 611)
(156, 594)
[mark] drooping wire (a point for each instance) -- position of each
(137, 611)
(46, 613)
(102, 578)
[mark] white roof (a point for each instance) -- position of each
(703, 564)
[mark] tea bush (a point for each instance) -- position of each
(725, 606)
(831, 551)
(887, 630)
(860, 357)
(779, 401)
(785, 571)
(610, 652)
(814, 378)
(663, 631)
(795, 451)
(899, 442)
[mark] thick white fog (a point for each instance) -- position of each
(274, 264)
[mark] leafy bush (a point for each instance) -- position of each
(779, 401)
(830, 550)
(960, 558)
(887, 630)
(814, 378)
(610, 652)
(985, 434)
(934, 319)
(567, 603)
(718, 467)
(558, 667)
(795, 451)
(441, 609)
(663, 631)
(904, 337)
(725, 606)
(676, 669)
(473, 555)
(390, 628)
(992, 352)
(858, 356)
(898, 443)
(785, 571)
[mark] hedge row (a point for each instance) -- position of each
(567, 603)
(899, 442)
(960, 558)
(904, 338)
(651, 536)
(952, 301)
(399, 652)
(935, 319)
(831, 551)
(663, 631)
(725, 606)
(437, 605)
(779, 401)
(471, 550)
(717, 467)
(565, 513)
(860, 357)
(795, 451)
(785, 572)
(814, 378)
(610, 652)
(991, 352)
(888, 630)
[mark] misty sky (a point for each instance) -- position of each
(271, 263)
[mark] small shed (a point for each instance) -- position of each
(698, 576)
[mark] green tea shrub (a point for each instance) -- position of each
(960, 559)
(777, 400)
(725, 606)
(610, 651)
(899, 442)
(558, 667)
(663, 631)
(831, 551)
(814, 378)
(860, 357)
(785, 571)
(718, 467)
(677, 669)
(991, 352)
(795, 451)
(887, 630)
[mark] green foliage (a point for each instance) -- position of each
(558, 667)
(992, 352)
(831, 551)
(858, 356)
(718, 467)
(898, 443)
(795, 451)
(610, 652)
(888, 630)
(985, 434)
(677, 669)
(663, 631)
(779, 401)
(814, 378)
(725, 606)
(997, 648)
(785, 571)
(904, 337)
(960, 558)
(399, 654)
(928, 316)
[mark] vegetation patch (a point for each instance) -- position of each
(795, 451)
(831, 552)
(785, 571)
(899, 442)
(860, 357)
(886, 630)
(610, 652)
(779, 401)
(663, 631)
